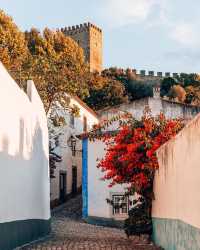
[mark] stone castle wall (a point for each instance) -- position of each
(143, 75)
(89, 37)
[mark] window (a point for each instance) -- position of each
(120, 204)
(73, 150)
(85, 124)
(72, 120)
(74, 179)
(63, 186)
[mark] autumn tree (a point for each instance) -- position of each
(188, 79)
(184, 87)
(191, 84)
(56, 64)
(134, 88)
(13, 48)
(178, 93)
(192, 95)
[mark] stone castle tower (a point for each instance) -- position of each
(89, 37)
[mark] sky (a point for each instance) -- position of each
(159, 35)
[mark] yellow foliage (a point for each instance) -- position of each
(177, 92)
(13, 48)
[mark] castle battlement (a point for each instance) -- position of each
(150, 74)
(89, 37)
(144, 73)
(80, 28)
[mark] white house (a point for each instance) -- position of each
(156, 104)
(95, 191)
(24, 179)
(68, 174)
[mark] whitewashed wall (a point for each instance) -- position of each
(98, 190)
(177, 201)
(24, 179)
(65, 151)
(156, 105)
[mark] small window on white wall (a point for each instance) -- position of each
(120, 205)
(72, 120)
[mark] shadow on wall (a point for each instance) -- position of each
(24, 184)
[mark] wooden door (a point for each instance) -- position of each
(63, 186)
(74, 180)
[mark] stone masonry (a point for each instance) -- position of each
(89, 37)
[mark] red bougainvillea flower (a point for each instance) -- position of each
(131, 151)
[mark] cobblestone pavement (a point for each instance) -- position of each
(69, 232)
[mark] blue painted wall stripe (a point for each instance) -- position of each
(85, 178)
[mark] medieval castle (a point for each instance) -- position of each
(89, 37)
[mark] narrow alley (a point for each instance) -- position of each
(70, 232)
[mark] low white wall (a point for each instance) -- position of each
(156, 105)
(177, 203)
(24, 179)
(98, 190)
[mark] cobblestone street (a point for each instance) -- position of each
(69, 232)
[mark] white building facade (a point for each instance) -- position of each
(24, 179)
(68, 174)
(95, 191)
(156, 105)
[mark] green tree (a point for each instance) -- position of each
(134, 88)
(188, 79)
(105, 92)
(137, 90)
(166, 85)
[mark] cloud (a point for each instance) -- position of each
(175, 32)
(124, 12)
(184, 58)
(186, 35)
(152, 14)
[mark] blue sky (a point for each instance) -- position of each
(160, 35)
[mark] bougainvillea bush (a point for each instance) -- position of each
(131, 158)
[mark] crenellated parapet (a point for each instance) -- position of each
(89, 38)
(151, 74)
(70, 30)
(144, 73)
